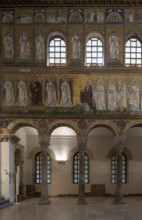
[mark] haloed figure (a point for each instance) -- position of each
(112, 96)
(114, 47)
(40, 47)
(9, 92)
(35, 91)
(88, 97)
(122, 96)
(99, 95)
(134, 97)
(66, 94)
(24, 46)
(51, 94)
(75, 46)
(22, 93)
(8, 46)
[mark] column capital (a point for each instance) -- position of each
(44, 140)
(42, 127)
(120, 141)
(9, 138)
(82, 141)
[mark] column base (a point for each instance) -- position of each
(118, 201)
(82, 201)
(44, 202)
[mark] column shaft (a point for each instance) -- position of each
(82, 146)
(44, 185)
(119, 194)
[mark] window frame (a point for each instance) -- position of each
(114, 170)
(133, 55)
(48, 170)
(77, 170)
(98, 38)
(56, 37)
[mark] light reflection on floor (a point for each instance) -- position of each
(98, 208)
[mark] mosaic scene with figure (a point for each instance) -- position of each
(71, 109)
(88, 94)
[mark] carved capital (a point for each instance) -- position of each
(120, 142)
(42, 127)
(44, 140)
(82, 141)
(9, 138)
(3, 123)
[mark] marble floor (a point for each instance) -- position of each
(98, 208)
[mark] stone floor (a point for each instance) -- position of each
(98, 208)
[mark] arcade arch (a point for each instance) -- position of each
(63, 140)
(64, 143)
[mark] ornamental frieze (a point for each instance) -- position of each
(70, 2)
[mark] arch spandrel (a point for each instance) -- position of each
(16, 124)
(131, 124)
(76, 149)
(126, 151)
(37, 150)
(105, 123)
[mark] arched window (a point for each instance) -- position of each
(94, 50)
(38, 159)
(133, 53)
(114, 168)
(56, 51)
(76, 168)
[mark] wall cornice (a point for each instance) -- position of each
(70, 3)
(70, 70)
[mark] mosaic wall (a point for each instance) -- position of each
(74, 15)
(79, 94)
(25, 32)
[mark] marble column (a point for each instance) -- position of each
(7, 166)
(44, 143)
(119, 143)
(82, 141)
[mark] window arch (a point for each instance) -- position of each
(38, 158)
(133, 52)
(76, 168)
(114, 168)
(94, 54)
(56, 50)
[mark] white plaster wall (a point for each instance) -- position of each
(22, 135)
(100, 166)
(62, 146)
(61, 181)
(32, 142)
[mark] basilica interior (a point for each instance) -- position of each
(70, 101)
